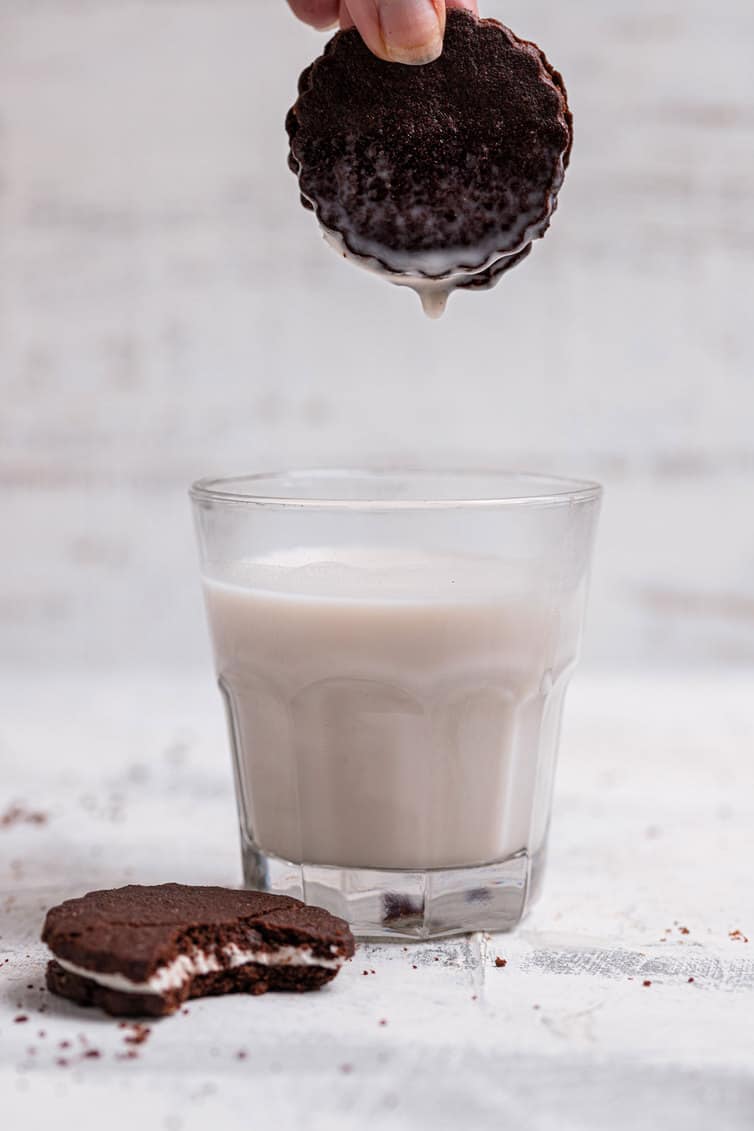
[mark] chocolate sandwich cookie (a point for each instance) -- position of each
(145, 950)
(438, 176)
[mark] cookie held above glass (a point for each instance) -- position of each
(438, 176)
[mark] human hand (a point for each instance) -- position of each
(400, 31)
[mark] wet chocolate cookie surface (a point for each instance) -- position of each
(441, 174)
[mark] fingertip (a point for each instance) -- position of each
(401, 31)
(417, 56)
(319, 14)
(464, 6)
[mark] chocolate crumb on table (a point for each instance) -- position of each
(138, 1034)
(19, 815)
(501, 962)
(20, 1018)
(737, 936)
(646, 982)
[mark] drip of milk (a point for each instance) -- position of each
(394, 713)
(433, 292)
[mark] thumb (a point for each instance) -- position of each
(400, 31)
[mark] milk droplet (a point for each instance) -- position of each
(433, 300)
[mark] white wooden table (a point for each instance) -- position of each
(653, 832)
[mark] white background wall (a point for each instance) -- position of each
(168, 310)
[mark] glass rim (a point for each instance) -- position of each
(248, 489)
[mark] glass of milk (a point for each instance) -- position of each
(393, 650)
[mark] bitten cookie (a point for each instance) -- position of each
(145, 950)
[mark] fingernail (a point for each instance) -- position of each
(412, 30)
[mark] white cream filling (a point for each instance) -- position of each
(175, 974)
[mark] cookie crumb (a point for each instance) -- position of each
(646, 982)
(20, 815)
(690, 979)
(501, 962)
(138, 1034)
(20, 1018)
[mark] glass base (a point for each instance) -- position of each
(379, 903)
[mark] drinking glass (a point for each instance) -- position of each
(393, 649)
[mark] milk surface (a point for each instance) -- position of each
(400, 713)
